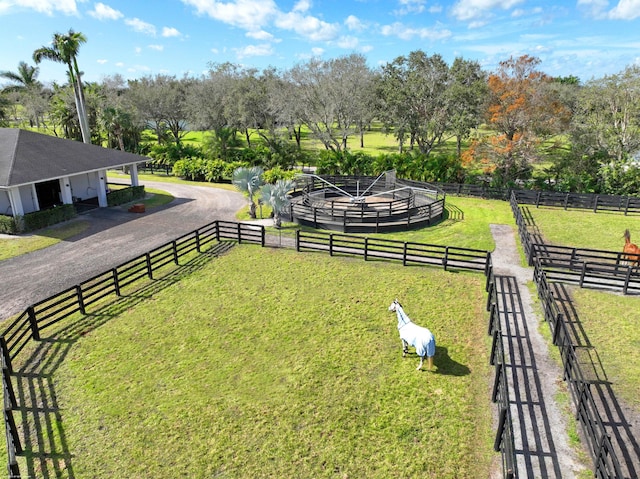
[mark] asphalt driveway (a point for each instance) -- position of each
(114, 236)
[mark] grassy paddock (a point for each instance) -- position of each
(610, 320)
(584, 228)
(611, 323)
(289, 366)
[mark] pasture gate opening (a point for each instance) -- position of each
(364, 204)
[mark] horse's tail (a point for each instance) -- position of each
(627, 237)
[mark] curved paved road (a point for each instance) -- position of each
(114, 236)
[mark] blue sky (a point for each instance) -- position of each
(586, 38)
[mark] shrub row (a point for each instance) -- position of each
(125, 195)
(8, 225)
(44, 218)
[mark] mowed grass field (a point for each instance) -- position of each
(610, 319)
(272, 363)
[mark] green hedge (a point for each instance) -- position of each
(8, 225)
(42, 219)
(125, 195)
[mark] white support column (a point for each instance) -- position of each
(133, 173)
(16, 202)
(34, 197)
(102, 188)
(65, 190)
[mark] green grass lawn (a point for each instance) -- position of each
(584, 228)
(272, 363)
(610, 320)
(611, 323)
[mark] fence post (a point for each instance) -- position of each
(445, 258)
(404, 254)
(10, 401)
(149, 269)
(627, 279)
(198, 241)
(239, 234)
(217, 230)
(80, 298)
(557, 327)
(496, 382)
(500, 431)
(6, 356)
(298, 240)
(262, 236)
(538, 198)
(174, 247)
(116, 282)
(494, 344)
(33, 322)
(595, 205)
(13, 440)
(331, 245)
(366, 248)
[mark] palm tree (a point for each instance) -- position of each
(248, 180)
(65, 49)
(277, 197)
(26, 77)
(26, 84)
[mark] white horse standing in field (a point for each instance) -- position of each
(413, 335)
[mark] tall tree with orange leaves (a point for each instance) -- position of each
(522, 111)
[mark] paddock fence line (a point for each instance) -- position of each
(605, 459)
(504, 440)
(43, 314)
(572, 265)
(587, 268)
(628, 205)
(448, 257)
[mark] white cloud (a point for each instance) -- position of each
(140, 26)
(308, 26)
(470, 9)
(302, 6)
(260, 35)
(435, 9)
(410, 6)
(105, 12)
(215, 51)
(48, 7)
(157, 48)
(317, 51)
(120, 64)
(247, 14)
(353, 23)
(626, 10)
(261, 50)
(405, 33)
(348, 42)
(102, 61)
(170, 32)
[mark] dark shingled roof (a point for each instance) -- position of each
(28, 157)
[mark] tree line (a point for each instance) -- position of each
(514, 125)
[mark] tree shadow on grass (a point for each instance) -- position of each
(46, 449)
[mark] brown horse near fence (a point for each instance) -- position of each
(631, 250)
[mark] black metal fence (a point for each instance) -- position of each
(448, 257)
(577, 266)
(629, 205)
(504, 441)
(605, 461)
(585, 267)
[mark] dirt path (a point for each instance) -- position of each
(114, 236)
(540, 427)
